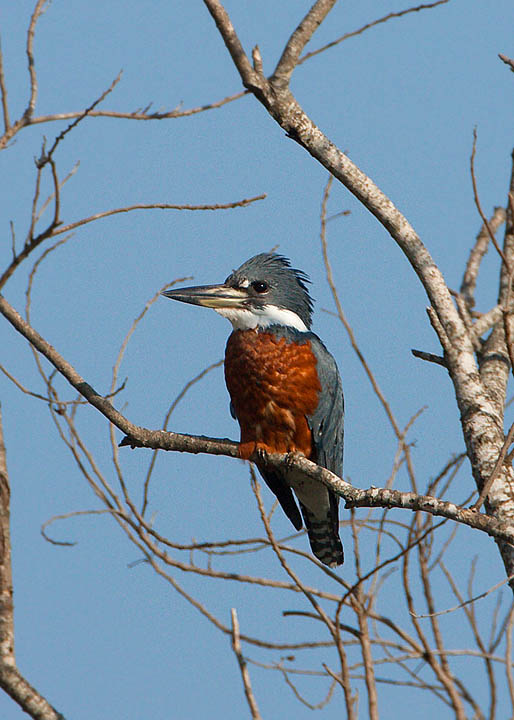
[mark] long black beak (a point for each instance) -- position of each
(211, 296)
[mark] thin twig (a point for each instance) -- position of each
(158, 206)
(476, 255)
(66, 516)
(496, 470)
(51, 196)
(349, 330)
(508, 658)
(138, 114)
(463, 604)
(334, 632)
(38, 11)
(3, 92)
(478, 204)
(53, 231)
(369, 25)
(45, 157)
(167, 417)
(507, 60)
(245, 675)
(430, 357)
(22, 387)
(297, 694)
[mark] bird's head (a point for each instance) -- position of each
(264, 291)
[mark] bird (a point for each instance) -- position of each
(284, 386)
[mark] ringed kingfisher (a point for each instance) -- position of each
(284, 385)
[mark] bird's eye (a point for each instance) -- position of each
(260, 286)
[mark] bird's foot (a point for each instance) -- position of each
(291, 456)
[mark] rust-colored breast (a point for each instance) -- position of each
(273, 385)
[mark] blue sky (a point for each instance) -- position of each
(100, 638)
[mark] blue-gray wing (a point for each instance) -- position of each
(327, 422)
(319, 505)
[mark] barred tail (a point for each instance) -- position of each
(324, 538)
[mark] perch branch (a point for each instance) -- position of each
(142, 437)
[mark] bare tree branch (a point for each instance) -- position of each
(158, 206)
(476, 255)
(298, 40)
(487, 320)
(140, 114)
(38, 11)
(11, 680)
(344, 605)
(145, 114)
(480, 417)
(507, 61)
(53, 230)
(141, 437)
(249, 76)
(11, 130)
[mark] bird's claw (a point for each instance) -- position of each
(291, 457)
